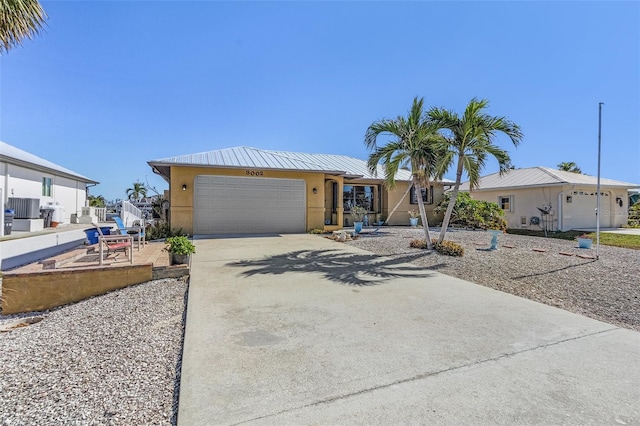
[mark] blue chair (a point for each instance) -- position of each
(137, 232)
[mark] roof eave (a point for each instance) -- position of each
(159, 164)
(32, 166)
(544, 185)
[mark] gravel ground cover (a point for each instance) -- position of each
(109, 360)
(115, 359)
(607, 289)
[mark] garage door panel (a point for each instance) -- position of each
(228, 204)
(583, 209)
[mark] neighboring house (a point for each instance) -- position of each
(634, 196)
(30, 182)
(545, 198)
(250, 190)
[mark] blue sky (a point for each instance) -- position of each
(111, 85)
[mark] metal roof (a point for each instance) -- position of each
(542, 176)
(241, 157)
(13, 155)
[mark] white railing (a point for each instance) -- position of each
(130, 213)
(100, 213)
(93, 214)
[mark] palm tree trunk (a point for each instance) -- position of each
(423, 213)
(399, 202)
(452, 203)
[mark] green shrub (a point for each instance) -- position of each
(419, 243)
(180, 244)
(470, 213)
(161, 230)
(634, 216)
(358, 213)
(316, 231)
(449, 248)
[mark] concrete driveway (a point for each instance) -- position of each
(298, 329)
(627, 231)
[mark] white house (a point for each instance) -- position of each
(29, 183)
(544, 198)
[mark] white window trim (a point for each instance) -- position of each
(511, 198)
(45, 187)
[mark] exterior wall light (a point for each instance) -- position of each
(315, 190)
(184, 186)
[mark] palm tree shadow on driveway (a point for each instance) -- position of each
(337, 266)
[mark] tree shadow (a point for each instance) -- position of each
(551, 271)
(345, 268)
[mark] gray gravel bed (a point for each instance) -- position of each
(607, 289)
(109, 360)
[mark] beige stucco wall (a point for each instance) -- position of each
(182, 201)
(318, 204)
(401, 215)
(564, 215)
(48, 289)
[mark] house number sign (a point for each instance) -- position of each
(254, 173)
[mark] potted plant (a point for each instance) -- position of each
(357, 214)
(180, 249)
(413, 217)
(584, 241)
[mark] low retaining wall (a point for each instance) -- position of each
(22, 251)
(49, 289)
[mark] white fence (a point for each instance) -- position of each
(130, 213)
(100, 213)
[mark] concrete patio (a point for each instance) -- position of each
(76, 273)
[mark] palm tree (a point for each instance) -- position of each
(97, 201)
(137, 192)
(415, 145)
(470, 138)
(569, 166)
(19, 19)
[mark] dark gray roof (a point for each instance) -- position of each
(13, 155)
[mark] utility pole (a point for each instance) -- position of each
(598, 185)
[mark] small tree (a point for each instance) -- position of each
(97, 201)
(569, 166)
(415, 145)
(138, 192)
(157, 204)
(634, 216)
(470, 139)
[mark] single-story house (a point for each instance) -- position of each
(29, 183)
(250, 190)
(545, 198)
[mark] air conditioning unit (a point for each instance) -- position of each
(25, 208)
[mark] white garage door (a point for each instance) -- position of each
(248, 205)
(583, 209)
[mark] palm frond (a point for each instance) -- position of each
(19, 19)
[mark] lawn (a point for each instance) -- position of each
(607, 239)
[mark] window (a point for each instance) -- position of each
(46, 187)
(358, 195)
(427, 196)
(506, 203)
